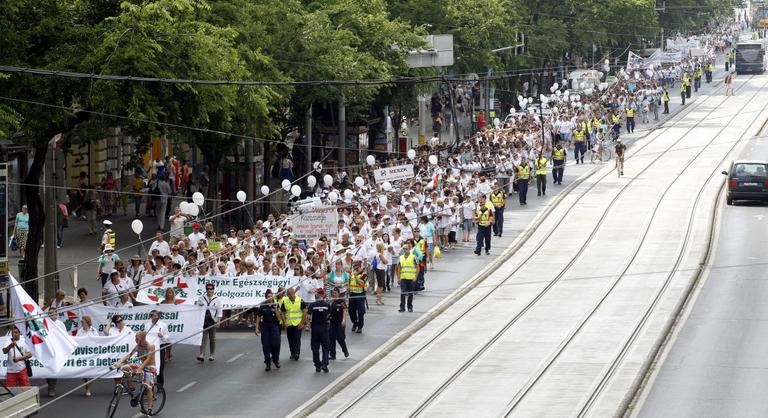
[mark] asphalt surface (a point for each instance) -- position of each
(236, 383)
(717, 364)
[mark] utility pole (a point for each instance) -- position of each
(49, 237)
(341, 145)
(454, 113)
(249, 186)
(422, 121)
(308, 139)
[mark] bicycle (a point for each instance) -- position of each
(603, 152)
(138, 396)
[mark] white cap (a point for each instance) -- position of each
(107, 222)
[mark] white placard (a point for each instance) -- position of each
(400, 172)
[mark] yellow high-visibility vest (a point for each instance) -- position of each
(408, 267)
(524, 173)
(355, 284)
(630, 112)
(293, 313)
(616, 118)
(558, 154)
(541, 166)
(497, 198)
(579, 136)
(483, 216)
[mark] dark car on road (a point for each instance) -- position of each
(747, 180)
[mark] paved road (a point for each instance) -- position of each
(236, 383)
(717, 365)
(560, 328)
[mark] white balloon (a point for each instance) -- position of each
(333, 197)
(383, 200)
(386, 186)
(266, 224)
(311, 181)
(348, 194)
(520, 98)
(265, 190)
(241, 196)
(183, 207)
(296, 190)
(327, 180)
(137, 226)
(371, 160)
(317, 166)
(607, 62)
(559, 93)
(359, 182)
(411, 154)
(556, 86)
(198, 198)
(286, 185)
(554, 110)
(552, 89)
(433, 159)
(194, 210)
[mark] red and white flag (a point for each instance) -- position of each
(50, 344)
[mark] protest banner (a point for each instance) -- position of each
(152, 289)
(183, 320)
(241, 291)
(400, 172)
(91, 358)
(315, 224)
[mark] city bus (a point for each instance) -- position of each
(750, 57)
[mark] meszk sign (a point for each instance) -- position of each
(315, 224)
(91, 358)
(242, 291)
(184, 321)
(400, 172)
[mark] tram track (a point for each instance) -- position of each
(541, 244)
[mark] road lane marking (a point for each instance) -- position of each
(187, 386)
(235, 358)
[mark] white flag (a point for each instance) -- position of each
(50, 344)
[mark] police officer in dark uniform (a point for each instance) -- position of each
(319, 311)
(338, 322)
(268, 317)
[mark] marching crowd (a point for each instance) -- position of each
(390, 235)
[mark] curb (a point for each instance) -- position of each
(371, 359)
(350, 375)
(635, 396)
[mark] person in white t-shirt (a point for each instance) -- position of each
(113, 288)
(160, 244)
(213, 314)
(17, 351)
(196, 236)
(157, 335)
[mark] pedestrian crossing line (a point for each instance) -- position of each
(187, 386)
(233, 359)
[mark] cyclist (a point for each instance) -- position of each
(619, 149)
(146, 351)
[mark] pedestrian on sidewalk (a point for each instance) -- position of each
(165, 195)
(268, 317)
(21, 229)
(665, 99)
(91, 205)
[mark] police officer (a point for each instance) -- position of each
(687, 82)
(708, 73)
(579, 147)
(524, 176)
(498, 201)
(697, 73)
(540, 169)
(295, 313)
(319, 312)
(408, 270)
(616, 120)
(108, 238)
(484, 220)
(665, 99)
(357, 285)
(558, 163)
(268, 317)
(338, 323)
